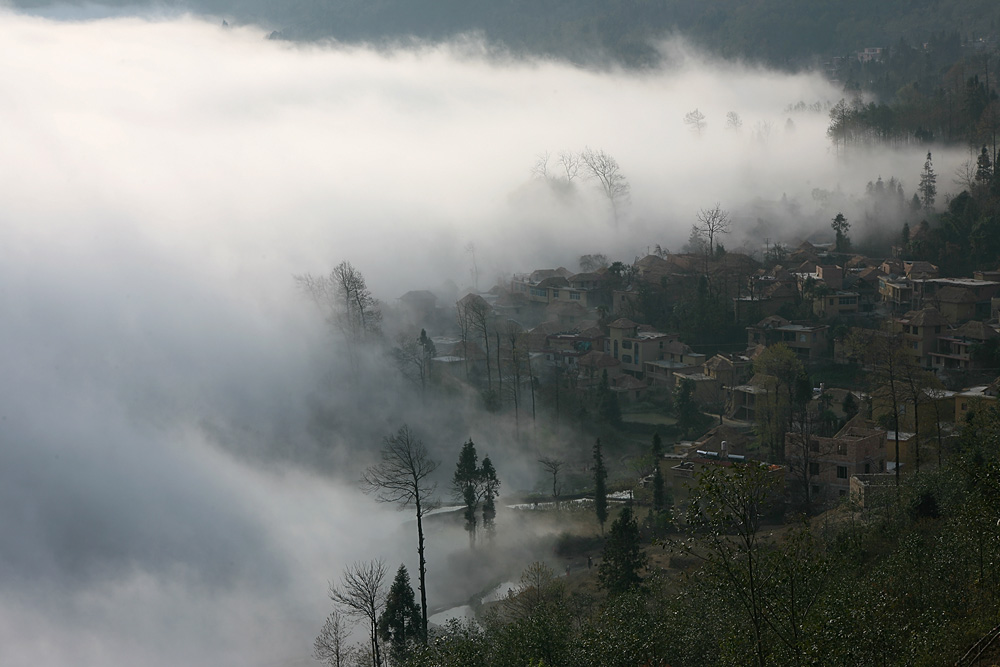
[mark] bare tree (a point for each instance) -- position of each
(402, 478)
(515, 369)
(331, 645)
(474, 316)
(470, 248)
(414, 356)
(604, 169)
(762, 130)
(346, 300)
(884, 356)
(806, 456)
(541, 167)
(552, 467)
(712, 222)
(695, 120)
(733, 121)
(591, 263)
(362, 595)
(570, 164)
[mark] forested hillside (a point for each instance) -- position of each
(790, 33)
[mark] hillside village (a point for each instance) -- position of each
(857, 428)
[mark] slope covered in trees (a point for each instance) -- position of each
(778, 32)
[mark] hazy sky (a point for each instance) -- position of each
(162, 182)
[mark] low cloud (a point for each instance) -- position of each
(168, 497)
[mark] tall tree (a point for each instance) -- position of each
(361, 594)
(331, 645)
(695, 120)
(465, 485)
(841, 227)
(711, 223)
(603, 168)
(659, 498)
(402, 477)
(600, 488)
(984, 168)
(685, 408)
(727, 506)
(490, 490)
(928, 185)
(783, 376)
(552, 467)
(399, 625)
(348, 304)
(607, 401)
(733, 121)
(475, 317)
(414, 358)
(623, 557)
(883, 353)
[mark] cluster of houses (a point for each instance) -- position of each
(583, 325)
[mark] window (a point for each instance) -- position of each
(555, 294)
(813, 468)
(841, 472)
(626, 358)
(574, 296)
(538, 292)
(868, 468)
(626, 344)
(802, 338)
(814, 445)
(842, 449)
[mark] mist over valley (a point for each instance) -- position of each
(182, 431)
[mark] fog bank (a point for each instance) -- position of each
(167, 497)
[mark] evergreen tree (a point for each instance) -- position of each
(465, 486)
(600, 490)
(428, 354)
(841, 226)
(607, 402)
(984, 167)
(928, 187)
(685, 408)
(623, 557)
(399, 624)
(490, 490)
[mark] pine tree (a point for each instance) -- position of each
(607, 401)
(984, 167)
(465, 486)
(490, 490)
(399, 624)
(841, 226)
(928, 187)
(623, 557)
(600, 490)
